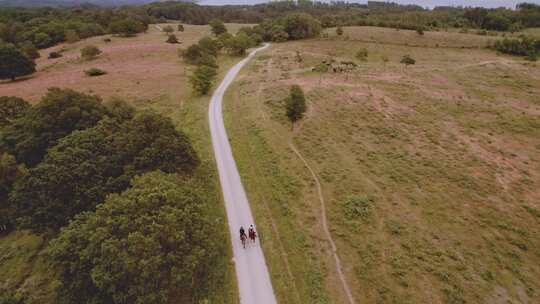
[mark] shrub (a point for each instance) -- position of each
(72, 36)
(358, 207)
(420, 31)
(107, 40)
(203, 79)
(339, 31)
(300, 26)
(90, 52)
(407, 60)
(172, 39)
(168, 29)
(54, 55)
(524, 46)
(127, 27)
(29, 50)
(180, 27)
(238, 45)
(12, 108)
(362, 54)
(94, 72)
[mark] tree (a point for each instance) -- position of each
(13, 63)
(172, 39)
(127, 27)
(295, 104)
(217, 27)
(72, 36)
(203, 79)
(300, 26)
(209, 45)
(90, 52)
(339, 30)
(85, 166)
(407, 60)
(168, 29)
(29, 50)
(10, 172)
(42, 40)
(141, 246)
(180, 27)
(59, 113)
(238, 45)
(12, 108)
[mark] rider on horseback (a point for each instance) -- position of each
(242, 232)
(252, 233)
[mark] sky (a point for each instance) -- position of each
(424, 3)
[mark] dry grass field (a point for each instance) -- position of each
(430, 173)
(148, 73)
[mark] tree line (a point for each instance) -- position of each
(114, 191)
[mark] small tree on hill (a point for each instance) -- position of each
(339, 31)
(407, 60)
(203, 79)
(172, 39)
(13, 63)
(180, 28)
(168, 29)
(218, 27)
(295, 105)
(90, 52)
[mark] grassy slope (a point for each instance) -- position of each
(443, 157)
(21, 254)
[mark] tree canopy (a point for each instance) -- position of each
(13, 63)
(295, 104)
(146, 245)
(12, 108)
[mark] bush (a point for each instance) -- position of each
(90, 52)
(72, 36)
(362, 54)
(11, 109)
(203, 79)
(180, 27)
(420, 31)
(107, 40)
(94, 72)
(295, 105)
(127, 27)
(217, 27)
(141, 246)
(358, 207)
(524, 46)
(168, 29)
(407, 60)
(54, 55)
(30, 50)
(339, 31)
(172, 39)
(300, 26)
(238, 45)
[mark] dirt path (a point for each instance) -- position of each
(344, 284)
(251, 272)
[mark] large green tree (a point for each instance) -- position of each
(85, 166)
(149, 244)
(59, 113)
(218, 27)
(295, 104)
(14, 63)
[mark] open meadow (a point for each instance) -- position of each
(430, 172)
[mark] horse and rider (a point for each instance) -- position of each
(251, 233)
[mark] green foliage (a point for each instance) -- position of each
(42, 40)
(10, 172)
(209, 46)
(127, 27)
(339, 31)
(420, 31)
(238, 44)
(204, 52)
(29, 50)
(296, 104)
(362, 54)
(59, 113)
(54, 55)
(147, 245)
(12, 108)
(217, 27)
(13, 63)
(358, 207)
(172, 39)
(85, 166)
(94, 72)
(524, 46)
(90, 52)
(168, 29)
(72, 36)
(203, 78)
(300, 26)
(407, 60)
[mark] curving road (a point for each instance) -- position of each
(251, 271)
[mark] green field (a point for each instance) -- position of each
(430, 172)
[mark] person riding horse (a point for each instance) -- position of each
(243, 236)
(252, 233)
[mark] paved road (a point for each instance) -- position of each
(251, 271)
